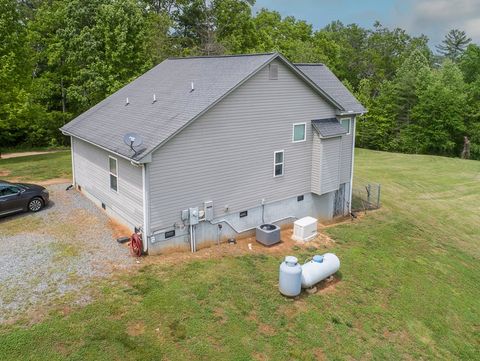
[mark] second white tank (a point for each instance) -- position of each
(319, 268)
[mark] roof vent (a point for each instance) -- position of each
(154, 98)
(193, 87)
(273, 71)
(127, 102)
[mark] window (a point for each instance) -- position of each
(299, 132)
(7, 191)
(273, 71)
(346, 123)
(278, 163)
(243, 214)
(112, 162)
(300, 198)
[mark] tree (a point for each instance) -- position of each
(470, 63)
(439, 116)
(454, 44)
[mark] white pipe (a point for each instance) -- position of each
(194, 239)
(190, 227)
(354, 128)
(247, 229)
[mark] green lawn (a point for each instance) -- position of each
(409, 289)
(37, 167)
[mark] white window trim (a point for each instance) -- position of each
(304, 133)
(275, 163)
(110, 173)
(349, 124)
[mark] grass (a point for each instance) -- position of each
(37, 167)
(409, 289)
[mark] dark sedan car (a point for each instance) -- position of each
(21, 197)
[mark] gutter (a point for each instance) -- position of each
(64, 132)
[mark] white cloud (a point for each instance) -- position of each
(435, 18)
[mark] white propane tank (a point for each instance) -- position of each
(290, 277)
(319, 268)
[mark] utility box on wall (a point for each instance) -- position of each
(194, 216)
(208, 208)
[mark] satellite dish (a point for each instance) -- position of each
(133, 140)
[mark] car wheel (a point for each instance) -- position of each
(35, 204)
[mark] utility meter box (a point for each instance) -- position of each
(185, 215)
(194, 216)
(208, 208)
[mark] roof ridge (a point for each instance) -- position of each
(308, 64)
(218, 56)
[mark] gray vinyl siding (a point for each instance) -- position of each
(92, 174)
(226, 155)
(346, 156)
(330, 149)
(316, 164)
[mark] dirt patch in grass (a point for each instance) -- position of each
(259, 356)
(329, 285)
(118, 229)
(220, 315)
(4, 173)
(319, 354)
(136, 328)
(266, 329)
(244, 245)
(26, 154)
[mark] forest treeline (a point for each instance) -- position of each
(58, 58)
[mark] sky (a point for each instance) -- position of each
(430, 17)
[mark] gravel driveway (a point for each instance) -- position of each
(56, 252)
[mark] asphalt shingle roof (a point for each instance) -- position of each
(106, 123)
(330, 127)
(325, 79)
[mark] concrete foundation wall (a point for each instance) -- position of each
(281, 212)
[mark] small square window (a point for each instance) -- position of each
(299, 132)
(346, 123)
(300, 198)
(170, 234)
(243, 214)
(278, 163)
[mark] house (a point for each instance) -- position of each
(227, 143)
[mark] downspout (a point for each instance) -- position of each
(354, 128)
(72, 145)
(146, 208)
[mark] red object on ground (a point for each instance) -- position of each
(136, 245)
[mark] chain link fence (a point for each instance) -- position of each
(365, 195)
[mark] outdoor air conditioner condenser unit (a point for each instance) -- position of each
(305, 229)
